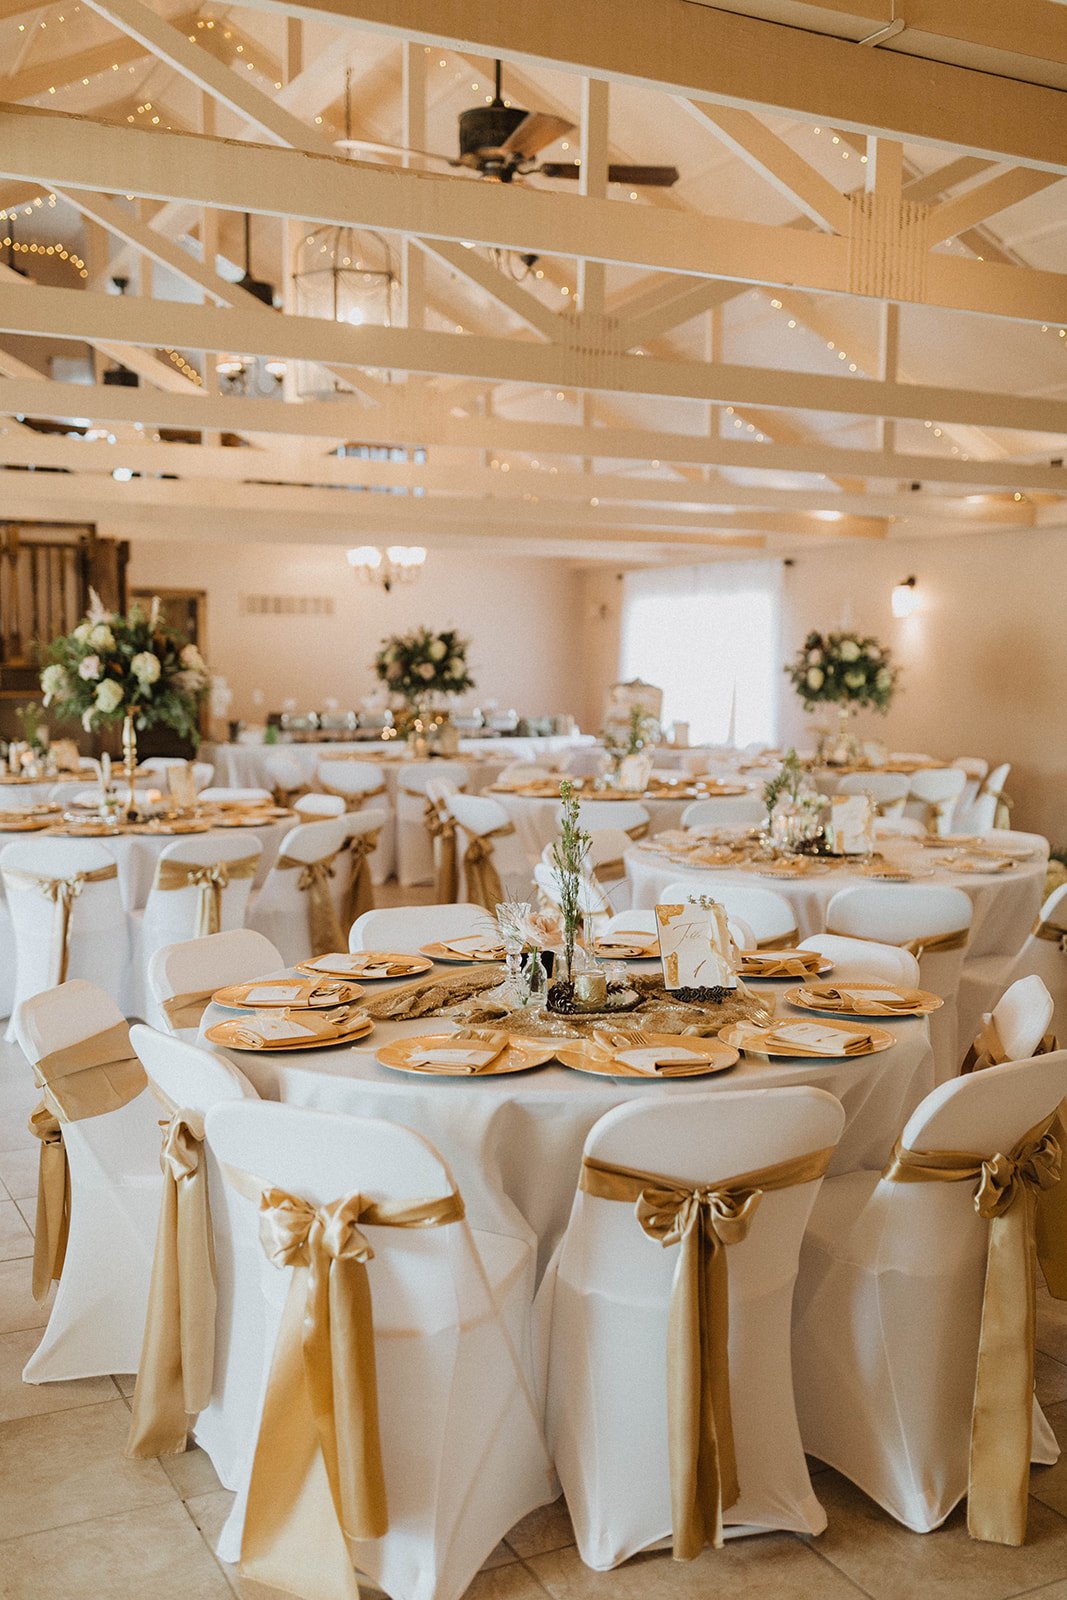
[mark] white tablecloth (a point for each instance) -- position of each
(537, 820)
(246, 766)
(514, 1143)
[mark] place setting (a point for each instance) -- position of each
(366, 966)
(864, 999)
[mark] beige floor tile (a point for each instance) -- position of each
(890, 1562)
(767, 1567)
(14, 1134)
(1050, 1380)
(18, 1399)
(69, 1466)
(191, 1473)
(1052, 1327)
(209, 1512)
(126, 1382)
(155, 1552)
(1049, 1484)
(502, 1556)
(18, 1308)
(18, 1172)
(505, 1583)
(16, 1240)
(547, 1528)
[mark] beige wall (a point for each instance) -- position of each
(520, 615)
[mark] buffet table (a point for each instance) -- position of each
(247, 765)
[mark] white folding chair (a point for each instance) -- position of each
(180, 978)
(725, 811)
(1045, 953)
(626, 816)
(933, 796)
(195, 1079)
(405, 928)
(39, 875)
(359, 784)
(593, 901)
(288, 779)
(97, 1317)
(889, 1302)
(974, 769)
(604, 1307)
(483, 818)
(916, 916)
(1021, 1017)
(313, 807)
(282, 909)
(865, 958)
(414, 846)
(172, 915)
(768, 914)
(888, 790)
(517, 773)
(462, 1449)
(230, 795)
(981, 816)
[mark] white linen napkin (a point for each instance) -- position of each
(653, 1058)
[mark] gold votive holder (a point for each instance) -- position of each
(591, 990)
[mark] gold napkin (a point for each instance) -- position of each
(885, 1005)
(791, 964)
(476, 1043)
(474, 952)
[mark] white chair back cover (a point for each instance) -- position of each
(97, 1316)
(1022, 1016)
(606, 1296)
(901, 913)
(416, 782)
(888, 790)
(864, 958)
(313, 807)
(933, 797)
(98, 942)
(768, 913)
(981, 815)
(889, 1302)
(237, 956)
(286, 774)
(405, 928)
(202, 771)
(224, 792)
(1045, 953)
(974, 769)
(725, 811)
(462, 1448)
(479, 815)
(282, 910)
(517, 772)
(366, 778)
(621, 815)
(587, 761)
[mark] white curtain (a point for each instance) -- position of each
(709, 636)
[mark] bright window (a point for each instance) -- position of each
(709, 637)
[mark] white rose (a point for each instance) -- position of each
(855, 680)
(102, 637)
(849, 650)
(108, 696)
(815, 677)
(455, 666)
(82, 631)
(874, 652)
(191, 658)
(427, 671)
(145, 667)
(884, 679)
(815, 657)
(90, 669)
(54, 683)
(438, 650)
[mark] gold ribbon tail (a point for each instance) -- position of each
(483, 880)
(53, 1201)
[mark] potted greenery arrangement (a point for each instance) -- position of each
(630, 753)
(794, 807)
(569, 853)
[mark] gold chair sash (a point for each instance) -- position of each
(174, 1377)
(482, 879)
(1052, 932)
(62, 892)
(639, 830)
(1006, 1192)
(323, 917)
(359, 896)
(353, 802)
(87, 1079)
(988, 1049)
(210, 881)
(185, 1010)
(938, 811)
(441, 827)
(317, 1478)
(610, 871)
(932, 943)
(701, 1220)
(53, 1201)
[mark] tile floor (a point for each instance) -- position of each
(78, 1521)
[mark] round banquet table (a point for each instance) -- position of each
(514, 1143)
(247, 765)
(536, 817)
(137, 853)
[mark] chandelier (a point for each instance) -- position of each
(400, 563)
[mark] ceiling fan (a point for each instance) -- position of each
(502, 143)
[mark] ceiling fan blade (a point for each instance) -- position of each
(649, 177)
(535, 132)
(388, 149)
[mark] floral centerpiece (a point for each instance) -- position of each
(794, 806)
(843, 669)
(133, 669)
(421, 664)
(629, 758)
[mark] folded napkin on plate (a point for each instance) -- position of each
(261, 1032)
(475, 949)
(465, 1052)
(854, 997)
(635, 938)
(794, 964)
(655, 1058)
(811, 1039)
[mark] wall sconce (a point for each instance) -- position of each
(905, 598)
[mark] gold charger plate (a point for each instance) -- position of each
(24, 824)
(87, 830)
(198, 825)
(922, 1001)
(351, 965)
(896, 874)
(335, 992)
(518, 1055)
(790, 874)
(261, 819)
(441, 952)
(753, 1040)
(988, 866)
(753, 960)
(622, 950)
(228, 1033)
(583, 1055)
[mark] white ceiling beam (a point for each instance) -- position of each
(709, 54)
(525, 305)
(674, 309)
(60, 73)
(777, 162)
(929, 186)
(985, 200)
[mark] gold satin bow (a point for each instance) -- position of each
(320, 1414)
(210, 879)
(441, 827)
(1007, 1187)
(701, 1219)
(359, 895)
(323, 917)
(482, 879)
(1052, 932)
(185, 1010)
(62, 892)
(174, 1378)
(353, 802)
(53, 1201)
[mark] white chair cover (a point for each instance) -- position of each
(588, 761)
(478, 815)
(725, 811)
(864, 958)
(98, 940)
(405, 928)
(313, 807)
(627, 816)
(981, 815)
(367, 778)
(1045, 953)
(97, 1318)
(889, 1303)
(282, 910)
(933, 798)
(198, 965)
(223, 792)
(593, 901)
(414, 848)
(1021, 1017)
(7, 962)
(604, 1302)
(462, 1448)
(974, 769)
(888, 790)
(202, 771)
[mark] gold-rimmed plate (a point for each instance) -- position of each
(623, 949)
(296, 994)
(791, 872)
(584, 1055)
(856, 999)
(365, 966)
(754, 964)
(983, 865)
(889, 874)
(798, 1038)
(23, 824)
(519, 1055)
(265, 1030)
(168, 825)
(452, 950)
